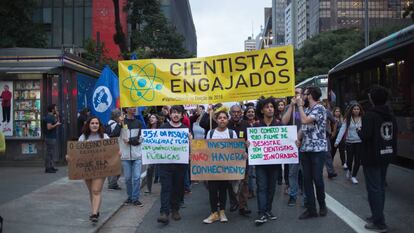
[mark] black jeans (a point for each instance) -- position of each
(353, 152)
(217, 194)
(341, 148)
(172, 186)
(375, 182)
(313, 163)
(6, 114)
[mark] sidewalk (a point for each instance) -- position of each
(61, 206)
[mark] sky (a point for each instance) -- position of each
(222, 26)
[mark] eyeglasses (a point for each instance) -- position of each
(305, 93)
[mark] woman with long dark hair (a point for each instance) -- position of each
(93, 130)
(339, 119)
(353, 142)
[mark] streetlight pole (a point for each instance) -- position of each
(366, 21)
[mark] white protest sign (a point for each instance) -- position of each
(165, 146)
(272, 145)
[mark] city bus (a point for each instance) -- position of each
(388, 62)
(320, 81)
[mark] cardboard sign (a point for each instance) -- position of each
(204, 80)
(93, 159)
(272, 145)
(218, 159)
(165, 146)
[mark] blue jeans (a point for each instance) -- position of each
(313, 163)
(187, 181)
(252, 175)
(132, 174)
(172, 186)
(266, 178)
(375, 182)
(293, 180)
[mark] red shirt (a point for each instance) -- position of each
(186, 121)
(6, 97)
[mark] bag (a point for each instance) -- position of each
(108, 128)
(231, 133)
(2, 143)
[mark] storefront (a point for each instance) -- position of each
(30, 80)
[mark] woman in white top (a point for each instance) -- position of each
(93, 130)
(217, 188)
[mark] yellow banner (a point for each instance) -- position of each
(225, 78)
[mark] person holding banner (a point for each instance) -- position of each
(266, 175)
(172, 175)
(154, 122)
(217, 188)
(130, 145)
(239, 190)
(314, 146)
(250, 116)
(93, 131)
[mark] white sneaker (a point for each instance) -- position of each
(345, 166)
(348, 174)
(354, 180)
(223, 217)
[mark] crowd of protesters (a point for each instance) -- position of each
(321, 128)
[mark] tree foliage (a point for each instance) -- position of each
(17, 26)
(152, 36)
(97, 54)
(324, 51)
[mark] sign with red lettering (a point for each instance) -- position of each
(272, 145)
(218, 159)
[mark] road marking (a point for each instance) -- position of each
(346, 215)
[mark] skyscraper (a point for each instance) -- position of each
(278, 22)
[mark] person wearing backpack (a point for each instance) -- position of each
(379, 143)
(131, 157)
(217, 188)
(113, 130)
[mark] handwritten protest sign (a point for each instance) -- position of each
(218, 159)
(272, 145)
(93, 159)
(165, 146)
(205, 80)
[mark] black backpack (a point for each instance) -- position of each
(108, 128)
(231, 133)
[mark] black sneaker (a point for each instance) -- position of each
(49, 170)
(292, 201)
(55, 169)
(307, 214)
(323, 211)
(270, 215)
(369, 219)
(115, 188)
(127, 201)
(260, 220)
(138, 203)
(94, 218)
(245, 212)
(332, 175)
(371, 226)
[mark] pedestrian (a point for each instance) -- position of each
(379, 143)
(337, 126)
(154, 122)
(313, 146)
(266, 175)
(281, 107)
(292, 117)
(250, 117)
(238, 190)
(217, 188)
(196, 129)
(82, 118)
(172, 175)
(52, 123)
(349, 129)
(113, 129)
(131, 157)
(93, 131)
(6, 97)
(330, 123)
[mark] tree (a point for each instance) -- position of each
(324, 51)
(119, 37)
(17, 26)
(152, 36)
(409, 10)
(97, 54)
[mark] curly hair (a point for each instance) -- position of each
(263, 102)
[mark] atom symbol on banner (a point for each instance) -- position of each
(142, 82)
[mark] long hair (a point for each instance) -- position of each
(159, 120)
(341, 117)
(87, 131)
(348, 114)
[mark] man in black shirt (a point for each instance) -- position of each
(172, 175)
(52, 123)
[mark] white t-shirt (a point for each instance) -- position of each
(219, 135)
(92, 137)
